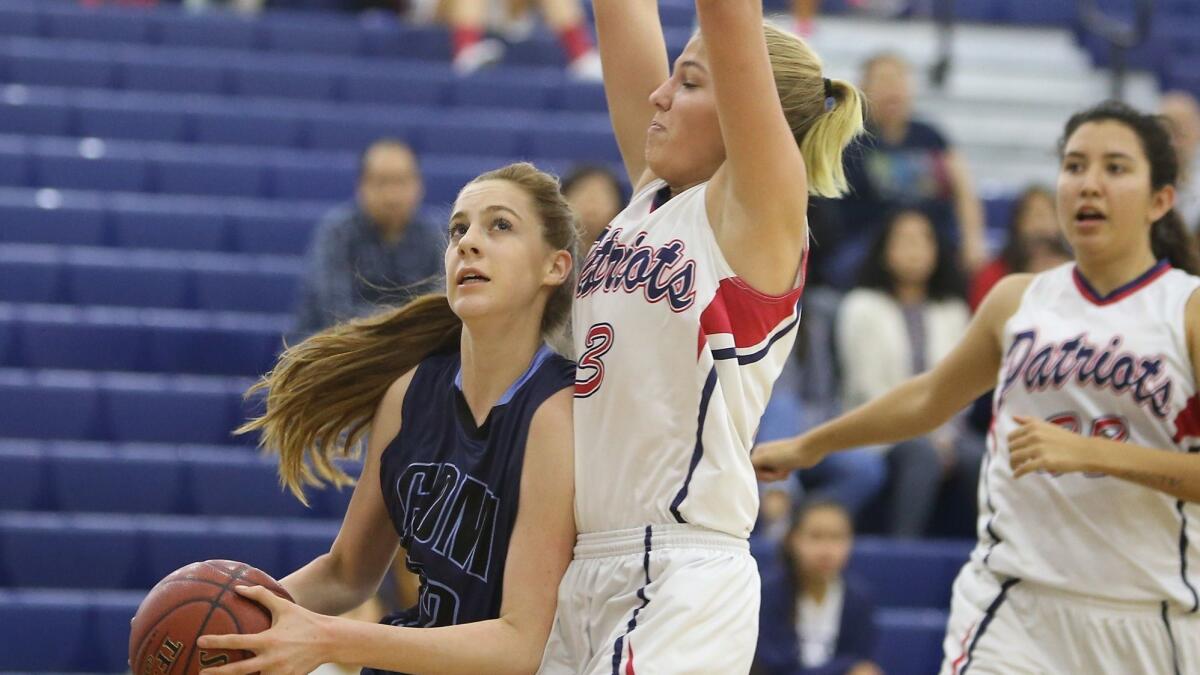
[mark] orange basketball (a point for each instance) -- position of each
(192, 601)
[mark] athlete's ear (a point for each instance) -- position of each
(1161, 201)
(559, 268)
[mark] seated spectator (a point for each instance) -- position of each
(596, 196)
(814, 619)
(1032, 239)
(469, 19)
(901, 163)
(906, 315)
(1183, 112)
(364, 254)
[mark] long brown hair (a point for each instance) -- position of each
(322, 394)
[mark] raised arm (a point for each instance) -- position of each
(759, 197)
(915, 407)
(352, 570)
(633, 54)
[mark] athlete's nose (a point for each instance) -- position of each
(661, 98)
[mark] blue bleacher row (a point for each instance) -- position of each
(147, 478)
(456, 152)
(89, 631)
(110, 406)
(34, 273)
(157, 341)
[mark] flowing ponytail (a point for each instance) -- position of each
(322, 394)
(822, 132)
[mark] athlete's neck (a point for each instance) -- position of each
(910, 294)
(1107, 275)
(494, 353)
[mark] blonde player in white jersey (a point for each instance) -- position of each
(685, 312)
(1087, 559)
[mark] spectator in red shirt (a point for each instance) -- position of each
(1034, 243)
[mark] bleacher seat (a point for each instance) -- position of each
(109, 26)
(23, 112)
(103, 478)
(272, 233)
(126, 118)
(49, 404)
(22, 477)
(211, 344)
(315, 37)
(210, 176)
(909, 573)
(265, 287)
(175, 229)
(339, 133)
(43, 550)
(238, 126)
(60, 70)
(278, 81)
(71, 338)
(79, 222)
(241, 485)
(216, 30)
(17, 22)
(160, 409)
(113, 277)
(155, 74)
(410, 86)
(91, 173)
(910, 640)
(110, 613)
(305, 541)
(44, 630)
(173, 542)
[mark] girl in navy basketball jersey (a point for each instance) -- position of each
(469, 465)
(1089, 496)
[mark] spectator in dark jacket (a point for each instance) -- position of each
(815, 620)
(368, 253)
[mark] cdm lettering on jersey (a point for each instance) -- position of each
(454, 511)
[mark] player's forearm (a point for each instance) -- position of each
(497, 647)
(1175, 473)
(321, 587)
(908, 410)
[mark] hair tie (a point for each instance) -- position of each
(830, 100)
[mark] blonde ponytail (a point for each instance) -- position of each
(825, 141)
(322, 394)
(821, 134)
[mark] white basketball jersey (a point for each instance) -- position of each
(677, 357)
(1115, 366)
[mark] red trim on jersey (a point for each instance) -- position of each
(629, 664)
(1187, 422)
(1091, 295)
(963, 656)
(748, 315)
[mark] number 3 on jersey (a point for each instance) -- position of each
(589, 374)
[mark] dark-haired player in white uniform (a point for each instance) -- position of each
(1089, 527)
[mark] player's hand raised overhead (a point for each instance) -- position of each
(776, 459)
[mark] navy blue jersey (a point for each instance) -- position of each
(451, 488)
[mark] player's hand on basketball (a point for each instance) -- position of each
(292, 645)
(1037, 445)
(775, 460)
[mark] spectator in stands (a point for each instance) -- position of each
(1034, 243)
(596, 196)
(902, 163)
(1182, 110)
(906, 315)
(363, 254)
(468, 20)
(815, 619)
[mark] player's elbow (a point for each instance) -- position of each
(527, 639)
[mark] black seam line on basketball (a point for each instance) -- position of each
(234, 576)
(158, 619)
(1171, 637)
(618, 647)
(987, 619)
